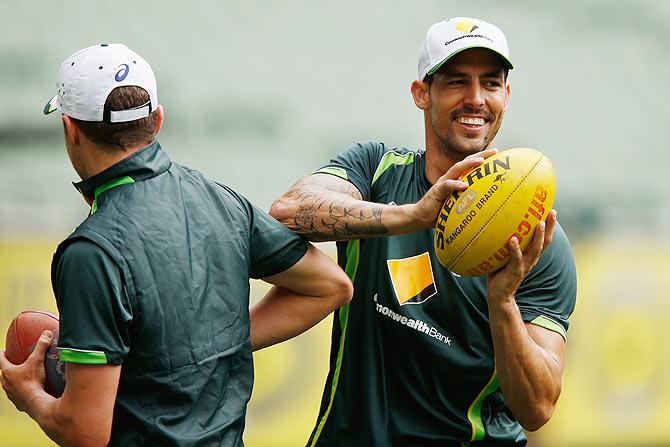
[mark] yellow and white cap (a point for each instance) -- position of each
(86, 79)
(449, 37)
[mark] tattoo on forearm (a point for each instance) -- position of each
(332, 219)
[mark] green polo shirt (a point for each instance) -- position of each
(412, 360)
(156, 279)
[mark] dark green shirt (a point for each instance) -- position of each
(412, 356)
(156, 279)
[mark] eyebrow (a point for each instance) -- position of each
(460, 74)
(454, 74)
(494, 74)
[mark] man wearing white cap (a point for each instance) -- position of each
(157, 279)
(421, 356)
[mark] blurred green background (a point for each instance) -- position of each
(257, 94)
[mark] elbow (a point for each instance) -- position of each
(536, 409)
(283, 210)
(79, 433)
(535, 422)
(537, 417)
(346, 291)
(342, 290)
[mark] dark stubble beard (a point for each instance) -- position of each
(452, 145)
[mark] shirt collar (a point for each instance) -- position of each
(144, 164)
(421, 167)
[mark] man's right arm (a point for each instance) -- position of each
(302, 295)
(82, 416)
(323, 207)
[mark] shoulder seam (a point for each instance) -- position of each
(392, 158)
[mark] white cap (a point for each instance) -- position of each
(447, 38)
(86, 79)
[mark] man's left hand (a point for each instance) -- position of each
(502, 285)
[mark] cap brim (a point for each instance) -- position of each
(51, 106)
(505, 60)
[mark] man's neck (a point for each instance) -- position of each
(98, 159)
(437, 164)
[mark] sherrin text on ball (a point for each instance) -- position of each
(508, 195)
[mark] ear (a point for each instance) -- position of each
(508, 90)
(421, 94)
(71, 131)
(159, 122)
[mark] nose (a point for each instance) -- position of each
(473, 96)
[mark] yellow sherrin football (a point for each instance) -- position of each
(507, 196)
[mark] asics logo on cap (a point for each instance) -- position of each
(466, 26)
(122, 73)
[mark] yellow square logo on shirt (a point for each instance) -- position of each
(412, 279)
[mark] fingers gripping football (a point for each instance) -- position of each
(21, 382)
(504, 283)
(428, 208)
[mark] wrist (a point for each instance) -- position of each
(401, 219)
(407, 219)
(38, 404)
(501, 303)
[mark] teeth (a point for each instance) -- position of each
(470, 120)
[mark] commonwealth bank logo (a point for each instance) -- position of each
(466, 26)
(412, 279)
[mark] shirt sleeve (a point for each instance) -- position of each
(273, 247)
(357, 164)
(548, 294)
(94, 310)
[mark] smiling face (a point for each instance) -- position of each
(466, 101)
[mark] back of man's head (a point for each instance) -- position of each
(122, 135)
(110, 93)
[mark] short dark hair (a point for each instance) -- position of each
(122, 135)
